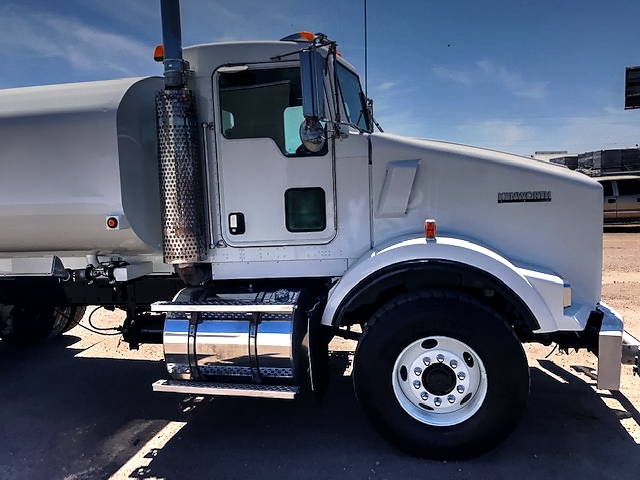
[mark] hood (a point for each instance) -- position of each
(534, 213)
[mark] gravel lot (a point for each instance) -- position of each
(81, 407)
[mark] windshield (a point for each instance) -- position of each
(354, 101)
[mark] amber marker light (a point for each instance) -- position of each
(112, 222)
(430, 229)
(299, 37)
(158, 53)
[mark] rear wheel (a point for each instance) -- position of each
(28, 325)
(67, 318)
(441, 375)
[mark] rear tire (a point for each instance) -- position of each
(28, 325)
(67, 318)
(441, 375)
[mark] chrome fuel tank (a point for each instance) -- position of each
(257, 337)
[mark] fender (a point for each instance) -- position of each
(542, 293)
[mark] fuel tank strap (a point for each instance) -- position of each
(220, 307)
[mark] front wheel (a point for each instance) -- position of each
(441, 375)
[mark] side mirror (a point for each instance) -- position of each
(311, 63)
(312, 134)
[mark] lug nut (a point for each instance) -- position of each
(451, 398)
(453, 364)
(437, 402)
(417, 371)
(424, 396)
(416, 384)
(460, 389)
(440, 358)
(426, 361)
(461, 375)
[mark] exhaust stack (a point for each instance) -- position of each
(174, 66)
(184, 237)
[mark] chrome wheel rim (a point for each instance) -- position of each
(439, 381)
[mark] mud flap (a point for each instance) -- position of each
(319, 338)
(609, 348)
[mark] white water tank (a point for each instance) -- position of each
(73, 155)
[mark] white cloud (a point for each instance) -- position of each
(498, 134)
(486, 71)
(385, 86)
(80, 46)
(608, 129)
(513, 81)
(221, 20)
(457, 76)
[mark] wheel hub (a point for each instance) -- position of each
(439, 381)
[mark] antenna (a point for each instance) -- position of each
(366, 94)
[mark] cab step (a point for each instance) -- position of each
(226, 389)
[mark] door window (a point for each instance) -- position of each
(628, 187)
(305, 209)
(607, 188)
(265, 103)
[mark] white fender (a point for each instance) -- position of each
(542, 292)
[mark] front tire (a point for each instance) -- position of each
(441, 375)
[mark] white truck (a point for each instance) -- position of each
(247, 232)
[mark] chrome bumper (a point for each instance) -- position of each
(610, 348)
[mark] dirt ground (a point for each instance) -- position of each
(81, 407)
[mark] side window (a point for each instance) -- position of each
(354, 100)
(293, 117)
(629, 187)
(264, 103)
(305, 209)
(607, 188)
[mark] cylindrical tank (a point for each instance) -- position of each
(73, 155)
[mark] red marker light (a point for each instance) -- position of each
(112, 222)
(430, 229)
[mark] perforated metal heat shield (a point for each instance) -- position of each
(184, 237)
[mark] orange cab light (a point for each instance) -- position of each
(158, 53)
(430, 229)
(299, 37)
(112, 222)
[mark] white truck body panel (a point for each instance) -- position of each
(72, 155)
(460, 188)
(542, 292)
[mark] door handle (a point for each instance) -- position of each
(613, 200)
(236, 223)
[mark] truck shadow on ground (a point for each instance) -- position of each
(76, 418)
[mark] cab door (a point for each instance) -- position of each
(272, 191)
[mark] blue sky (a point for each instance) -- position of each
(514, 75)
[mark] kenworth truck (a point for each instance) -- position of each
(242, 210)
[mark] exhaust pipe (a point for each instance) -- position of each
(184, 233)
(174, 67)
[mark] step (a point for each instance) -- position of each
(221, 307)
(226, 389)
